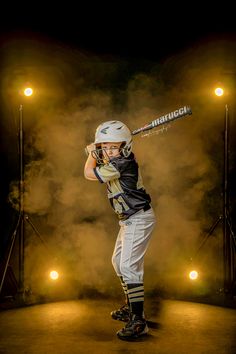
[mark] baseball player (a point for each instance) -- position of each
(111, 161)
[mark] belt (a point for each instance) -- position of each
(147, 207)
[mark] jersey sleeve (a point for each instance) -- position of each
(106, 173)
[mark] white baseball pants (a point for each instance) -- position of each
(131, 245)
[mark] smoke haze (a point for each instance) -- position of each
(181, 167)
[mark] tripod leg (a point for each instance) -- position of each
(231, 231)
(37, 233)
(211, 230)
(231, 270)
(10, 252)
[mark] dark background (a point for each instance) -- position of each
(141, 31)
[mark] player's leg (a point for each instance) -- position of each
(123, 313)
(137, 233)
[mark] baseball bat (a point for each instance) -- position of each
(169, 117)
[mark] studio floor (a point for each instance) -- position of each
(85, 326)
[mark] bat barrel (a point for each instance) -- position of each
(178, 113)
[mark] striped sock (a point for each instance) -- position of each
(136, 298)
(125, 289)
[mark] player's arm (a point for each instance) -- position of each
(90, 165)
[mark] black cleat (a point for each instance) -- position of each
(134, 329)
(122, 314)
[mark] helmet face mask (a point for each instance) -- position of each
(102, 156)
(112, 132)
(98, 156)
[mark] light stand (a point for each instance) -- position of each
(21, 206)
(20, 226)
(22, 217)
(229, 245)
(20, 223)
(229, 241)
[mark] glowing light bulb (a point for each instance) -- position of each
(219, 91)
(28, 91)
(193, 275)
(54, 275)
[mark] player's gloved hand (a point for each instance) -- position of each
(90, 148)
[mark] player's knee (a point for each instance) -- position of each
(115, 263)
(125, 270)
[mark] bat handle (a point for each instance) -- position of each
(146, 127)
(136, 131)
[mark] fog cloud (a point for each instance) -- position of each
(178, 165)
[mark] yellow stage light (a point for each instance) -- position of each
(193, 275)
(28, 91)
(219, 91)
(54, 275)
